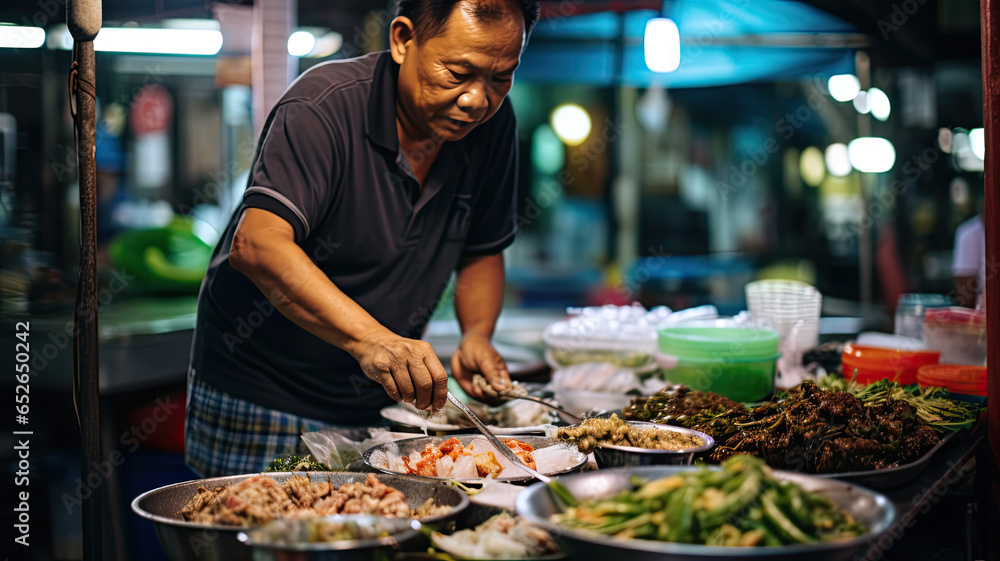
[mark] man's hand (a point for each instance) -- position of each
(475, 355)
(408, 369)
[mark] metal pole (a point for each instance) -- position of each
(85, 377)
(991, 212)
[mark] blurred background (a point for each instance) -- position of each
(837, 143)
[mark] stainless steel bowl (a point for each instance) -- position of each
(610, 456)
(288, 540)
(187, 541)
(377, 457)
(536, 504)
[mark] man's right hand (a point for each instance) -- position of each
(408, 369)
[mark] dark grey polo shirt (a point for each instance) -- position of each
(329, 163)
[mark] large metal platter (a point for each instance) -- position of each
(187, 541)
(536, 504)
(377, 457)
(894, 476)
(877, 478)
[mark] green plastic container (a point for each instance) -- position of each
(715, 342)
(737, 363)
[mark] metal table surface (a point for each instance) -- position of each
(915, 499)
(144, 343)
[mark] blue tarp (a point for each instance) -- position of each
(583, 49)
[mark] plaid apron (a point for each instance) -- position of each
(224, 435)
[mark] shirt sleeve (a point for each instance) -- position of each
(966, 259)
(294, 173)
(494, 216)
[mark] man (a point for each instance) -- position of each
(375, 179)
(969, 262)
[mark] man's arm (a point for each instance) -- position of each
(478, 298)
(264, 250)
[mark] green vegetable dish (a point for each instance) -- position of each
(295, 463)
(741, 504)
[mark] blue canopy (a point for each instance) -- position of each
(584, 49)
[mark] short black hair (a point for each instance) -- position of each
(430, 16)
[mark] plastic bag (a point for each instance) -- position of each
(337, 451)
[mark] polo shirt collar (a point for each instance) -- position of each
(382, 103)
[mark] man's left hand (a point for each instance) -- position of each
(475, 355)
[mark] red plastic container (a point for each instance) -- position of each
(958, 378)
(874, 364)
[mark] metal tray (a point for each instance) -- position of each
(377, 456)
(187, 541)
(876, 478)
(894, 476)
(536, 504)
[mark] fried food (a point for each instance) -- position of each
(613, 431)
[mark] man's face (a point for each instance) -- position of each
(453, 82)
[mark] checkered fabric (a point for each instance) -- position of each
(224, 435)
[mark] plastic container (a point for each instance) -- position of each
(791, 308)
(963, 381)
(715, 342)
(739, 380)
(873, 364)
(737, 363)
(959, 333)
(619, 335)
(910, 312)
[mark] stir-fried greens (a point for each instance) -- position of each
(810, 430)
(741, 504)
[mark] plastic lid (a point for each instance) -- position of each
(714, 342)
(954, 315)
(958, 378)
(894, 359)
(923, 300)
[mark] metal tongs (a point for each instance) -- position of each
(509, 396)
(499, 444)
(520, 393)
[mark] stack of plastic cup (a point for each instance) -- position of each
(791, 308)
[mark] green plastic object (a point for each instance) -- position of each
(170, 259)
(718, 343)
(739, 380)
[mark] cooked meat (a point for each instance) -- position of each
(260, 499)
(487, 464)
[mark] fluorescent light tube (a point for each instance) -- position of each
(21, 37)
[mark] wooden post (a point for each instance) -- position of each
(86, 372)
(991, 211)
